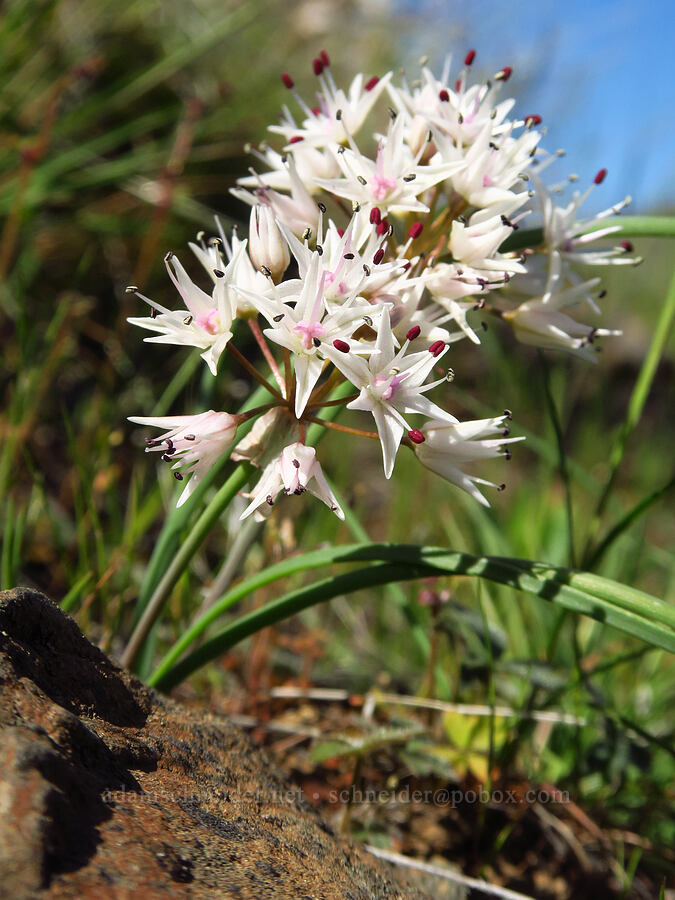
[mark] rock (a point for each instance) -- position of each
(109, 790)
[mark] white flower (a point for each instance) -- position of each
(266, 247)
(192, 443)
(206, 320)
(541, 323)
(411, 319)
(571, 237)
(446, 447)
(492, 166)
(244, 274)
(394, 180)
(391, 385)
(295, 471)
(453, 108)
(270, 433)
(352, 262)
(325, 123)
(310, 163)
(298, 211)
(449, 283)
(477, 244)
(306, 328)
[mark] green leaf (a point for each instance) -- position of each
(631, 226)
(629, 610)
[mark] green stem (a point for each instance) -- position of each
(187, 369)
(169, 539)
(562, 456)
(635, 405)
(492, 700)
(181, 560)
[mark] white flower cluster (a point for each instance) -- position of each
(366, 255)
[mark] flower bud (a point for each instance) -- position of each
(266, 247)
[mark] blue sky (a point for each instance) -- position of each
(600, 72)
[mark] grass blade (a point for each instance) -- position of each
(625, 522)
(636, 403)
(631, 611)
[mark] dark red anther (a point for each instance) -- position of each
(458, 84)
(444, 96)
(288, 81)
(325, 59)
(317, 110)
(416, 436)
(342, 346)
(382, 227)
(469, 58)
(413, 333)
(341, 232)
(379, 256)
(296, 139)
(600, 177)
(437, 348)
(532, 120)
(627, 246)
(317, 65)
(504, 74)
(375, 216)
(406, 265)
(415, 230)
(370, 84)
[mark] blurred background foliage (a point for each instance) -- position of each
(122, 128)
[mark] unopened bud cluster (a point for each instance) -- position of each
(369, 253)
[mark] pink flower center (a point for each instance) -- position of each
(209, 322)
(342, 287)
(393, 385)
(309, 331)
(381, 186)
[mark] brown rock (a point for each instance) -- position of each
(109, 790)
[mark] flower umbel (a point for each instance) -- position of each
(369, 253)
